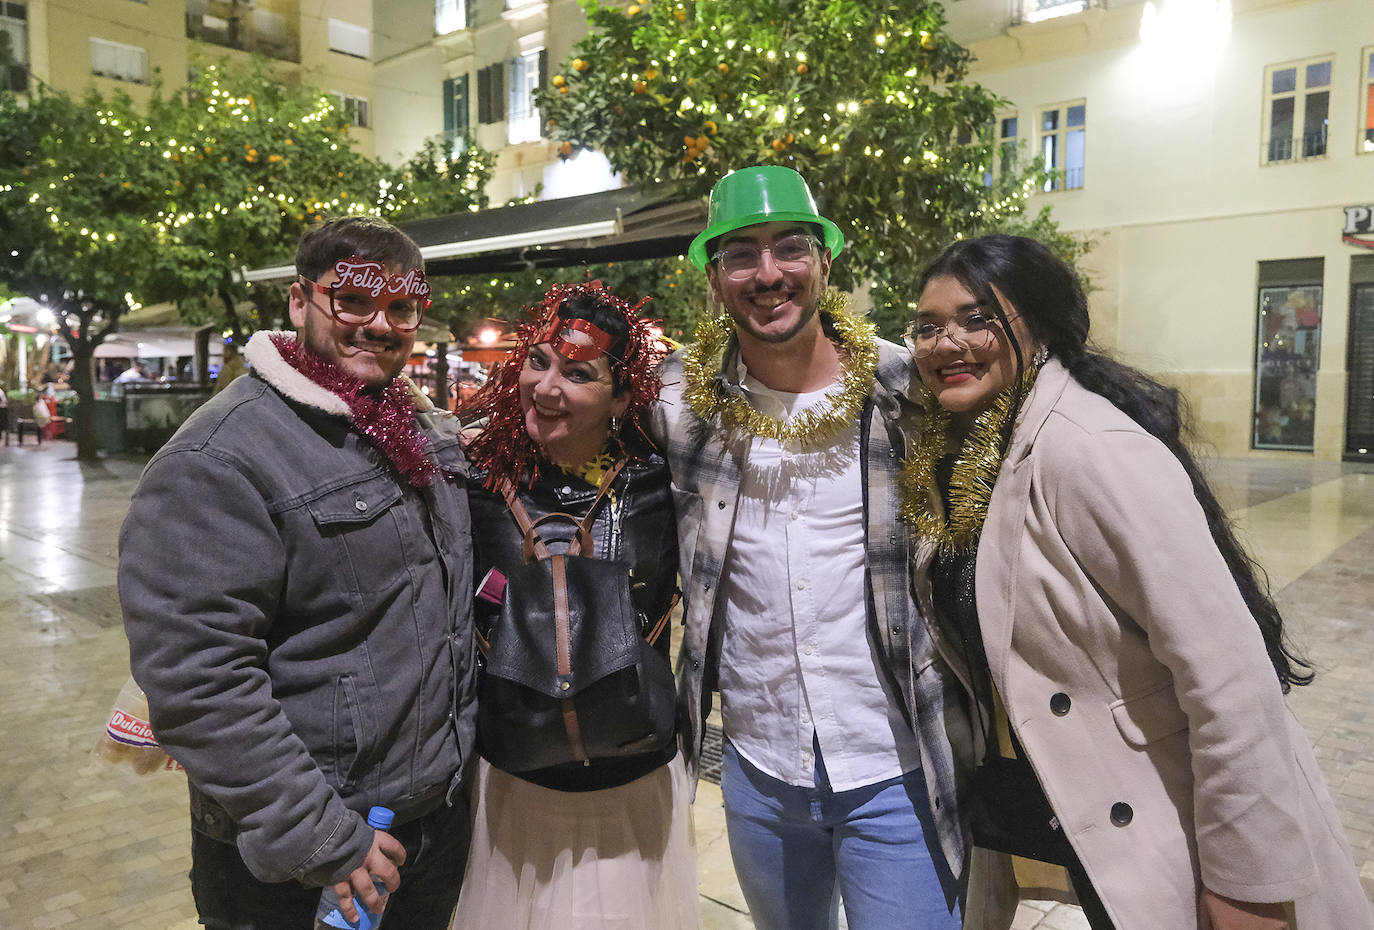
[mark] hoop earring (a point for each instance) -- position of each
(1042, 355)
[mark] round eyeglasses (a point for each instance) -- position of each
(790, 253)
(976, 331)
(356, 307)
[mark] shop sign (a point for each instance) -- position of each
(1359, 226)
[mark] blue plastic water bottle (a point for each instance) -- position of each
(328, 913)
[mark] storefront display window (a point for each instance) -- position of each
(1288, 351)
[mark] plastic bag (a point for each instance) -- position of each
(128, 740)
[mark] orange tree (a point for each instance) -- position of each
(868, 100)
(258, 161)
(76, 196)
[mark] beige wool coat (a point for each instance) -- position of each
(1138, 684)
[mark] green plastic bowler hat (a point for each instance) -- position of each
(760, 195)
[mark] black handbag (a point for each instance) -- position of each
(569, 677)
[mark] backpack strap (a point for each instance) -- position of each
(581, 543)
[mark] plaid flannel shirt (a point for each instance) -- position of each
(705, 461)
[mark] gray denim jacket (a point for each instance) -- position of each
(298, 615)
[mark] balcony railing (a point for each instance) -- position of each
(249, 30)
(1308, 145)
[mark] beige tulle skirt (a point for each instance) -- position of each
(621, 858)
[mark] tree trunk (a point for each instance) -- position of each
(82, 342)
(82, 382)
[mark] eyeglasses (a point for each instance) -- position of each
(356, 307)
(790, 253)
(977, 331)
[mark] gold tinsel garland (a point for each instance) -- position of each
(974, 475)
(858, 354)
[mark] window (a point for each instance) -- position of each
(14, 34)
(349, 39)
(355, 110)
(1005, 154)
(456, 107)
(450, 16)
(1062, 144)
(1033, 11)
(1287, 351)
(491, 94)
(526, 76)
(119, 61)
(1366, 100)
(1296, 106)
(1001, 132)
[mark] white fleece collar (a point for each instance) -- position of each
(262, 356)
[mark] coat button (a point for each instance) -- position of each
(720, 505)
(360, 505)
(1060, 704)
(1122, 813)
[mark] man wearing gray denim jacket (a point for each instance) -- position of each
(295, 574)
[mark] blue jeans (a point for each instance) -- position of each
(228, 897)
(798, 851)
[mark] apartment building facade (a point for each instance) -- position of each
(1222, 154)
(448, 68)
(72, 45)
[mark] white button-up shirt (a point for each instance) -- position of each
(796, 658)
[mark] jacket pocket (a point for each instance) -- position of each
(349, 726)
(1151, 716)
(360, 523)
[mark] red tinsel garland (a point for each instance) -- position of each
(386, 419)
(504, 450)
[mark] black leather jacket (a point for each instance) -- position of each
(634, 524)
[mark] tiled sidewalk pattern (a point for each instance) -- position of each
(84, 846)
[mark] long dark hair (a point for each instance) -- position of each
(1049, 297)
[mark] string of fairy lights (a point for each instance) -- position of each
(132, 130)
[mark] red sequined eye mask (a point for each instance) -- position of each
(575, 340)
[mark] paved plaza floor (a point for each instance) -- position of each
(83, 845)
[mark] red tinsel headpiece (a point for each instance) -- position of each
(504, 449)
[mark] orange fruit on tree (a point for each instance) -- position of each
(802, 69)
(580, 64)
(927, 41)
(559, 80)
(710, 127)
(680, 15)
(779, 145)
(633, 10)
(565, 149)
(640, 87)
(723, 68)
(650, 74)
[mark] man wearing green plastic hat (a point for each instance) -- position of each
(783, 424)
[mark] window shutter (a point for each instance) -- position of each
(543, 85)
(449, 126)
(460, 105)
(484, 115)
(498, 92)
(470, 13)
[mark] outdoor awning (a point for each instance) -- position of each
(610, 226)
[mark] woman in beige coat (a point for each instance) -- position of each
(1132, 745)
